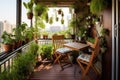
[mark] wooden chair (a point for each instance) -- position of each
(86, 61)
(60, 51)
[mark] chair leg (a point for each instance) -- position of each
(80, 65)
(84, 70)
(68, 55)
(57, 58)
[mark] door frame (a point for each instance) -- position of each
(115, 43)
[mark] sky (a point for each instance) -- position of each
(8, 11)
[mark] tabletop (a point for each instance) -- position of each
(76, 45)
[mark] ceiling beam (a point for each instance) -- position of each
(59, 3)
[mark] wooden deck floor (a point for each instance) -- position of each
(53, 72)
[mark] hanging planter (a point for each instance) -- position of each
(62, 14)
(46, 17)
(29, 7)
(30, 15)
(59, 11)
(51, 20)
(40, 9)
(62, 21)
(57, 18)
(97, 6)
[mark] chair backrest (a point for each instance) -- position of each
(58, 41)
(96, 48)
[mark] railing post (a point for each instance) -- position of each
(0, 68)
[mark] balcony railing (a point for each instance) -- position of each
(7, 58)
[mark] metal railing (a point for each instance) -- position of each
(7, 58)
(47, 41)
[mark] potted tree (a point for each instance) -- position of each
(29, 7)
(7, 41)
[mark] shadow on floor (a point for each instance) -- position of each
(53, 72)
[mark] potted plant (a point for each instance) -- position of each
(62, 21)
(7, 41)
(60, 11)
(29, 7)
(28, 33)
(39, 9)
(19, 34)
(82, 33)
(45, 34)
(96, 6)
(46, 51)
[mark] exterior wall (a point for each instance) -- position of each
(107, 57)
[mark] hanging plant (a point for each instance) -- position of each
(62, 14)
(51, 20)
(59, 11)
(96, 6)
(47, 18)
(29, 7)
(62, 21)
(40, 9)
(57, 18)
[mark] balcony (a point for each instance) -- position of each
(46, 70)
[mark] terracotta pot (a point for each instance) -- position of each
(29, 15)
(45, 36)
(7, 47)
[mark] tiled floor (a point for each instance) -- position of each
(53, 72)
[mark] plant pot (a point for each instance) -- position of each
(29, 15)
(59, 11)
(45, 36)
(7, 47)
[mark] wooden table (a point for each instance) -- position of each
(76, 46)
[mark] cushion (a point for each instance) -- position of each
(63, 50)
(84, 57)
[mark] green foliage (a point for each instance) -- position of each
(40, 23)
(46, 50)
(51, 20)
(28, 33)
(104, 32)
(90, 39)
(82, 32)
(7, 38)
(19, 32)
(23, 65)
(96, 6)
(40, 9)
(62, 21)
(72, 23)
(29, 5)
